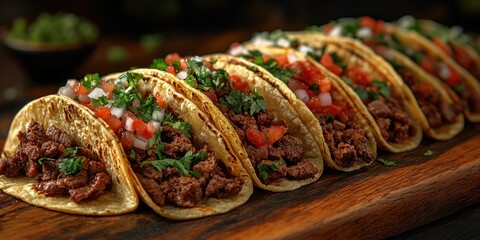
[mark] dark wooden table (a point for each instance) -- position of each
(422, 198)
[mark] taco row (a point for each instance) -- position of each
(192, 136)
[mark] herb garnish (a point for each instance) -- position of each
(429, 153)
(90, 81)
(238, 102)
(205, 78)
(171, 121)
(159, 63)
(70, 166)
(387, 163)
(183, 165)
(285, 74)
(265, 170)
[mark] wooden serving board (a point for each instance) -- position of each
(375, 202)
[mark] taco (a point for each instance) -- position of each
(371, 84)
(455, 44)
(440, 117)
(181, 164)
(275, 144)
(59, 156)
(347, 139)
(462, 85)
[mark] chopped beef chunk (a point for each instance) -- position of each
(302, 170)
(183, 191)
(175, 142)
(222, 187)
(39, 156)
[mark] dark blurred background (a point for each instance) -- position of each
(133, 32)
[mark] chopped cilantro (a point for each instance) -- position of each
(71, 150)
(350, 28)
(383, 88)
(315, 88)
(159, 63)
(314, 56)
(176, 65)
(418, 57)
(145, 111)
(171, 121)
(100, 101)
(361, 92)
(429, 153)
(329, 118)
(70, 166)
(459, 88)
(133, 154)
(347, 80)
(238, 102)
(265, 170)
(312, 28)
(205, 78)
(252, 68)
(183, 165)
(338, 60)
(387, 163)
(285, 74)
(90, 81)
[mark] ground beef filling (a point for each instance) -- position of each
(436, 110)
(40, 155)
(347, 142)
(287, 152)
(394, 123)
(170, 186)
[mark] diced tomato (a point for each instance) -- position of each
(454, 79)
(428, 65)
(325, 85)
(265, 58)
(209, 65)
(102, 112)
(255, 137)
(282, 60)
(114, 123)
(141, 128)
(315, 106)
(379, 27)
(463, 57)
(160, 101)
(274, 133)
(183, 64)
(127, 139)
(80, 89)
(108, 86)
(358, 76)
(151, 128)
(425, 88)
(238, 84)
(367, 22)
(88, 105)
(328, 28)
(327, 61)
(172, 57)
(171, 70)
(442, 45)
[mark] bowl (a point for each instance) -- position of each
(48, 63)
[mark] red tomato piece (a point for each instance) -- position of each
(358, 76)
(172, 57)
(428, 65)
(160, 101)
(80, 89)
(379, 27)
(367, 22)
(442, 45)
(127, 139)
(454, 79)
(327, 61)
(183, 64)
(238, 84)
(140, 127)
(274, 133)
(108, 86)
(114, 123)
(171, 70)
(463, 57)
(102, 112)
(325, 85)
(282, 60)
(88, 105)
(255, 137)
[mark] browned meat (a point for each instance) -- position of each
(175, 142)
(302, 170)
(292, 148)
(100, 183)
(59, 136)
(152, 187)
(222, 187)
(183, 191)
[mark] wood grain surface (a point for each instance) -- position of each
(375, 202)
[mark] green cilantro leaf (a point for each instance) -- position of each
(383, 88)
(429, 153)
(265, 170)
(159, 63)
(90, 81)
(347, 80)
(361, 92)
(70, 166)
(387, 163)
(100, 101)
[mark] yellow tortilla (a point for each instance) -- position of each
(272, 85)
(203, 132)
(87, 131)
(274, 101)
(355, 53)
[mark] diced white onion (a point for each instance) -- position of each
(325, 99)
(71, 83)
(305, 49)
(444, 71)
(388, 54)
(455, 31)
(364, 33)
(406, 21)
(182, 74)
(293, 84)
(292, 57)
(283, 42)
(118, 112)
(139, 143)
(129, 124)
(261, 40)
(336, 31)
(158, 115)
(238, 50)
(66, 91)
(156, 124)
(197, 58)
(301, 95)
(96, 93)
